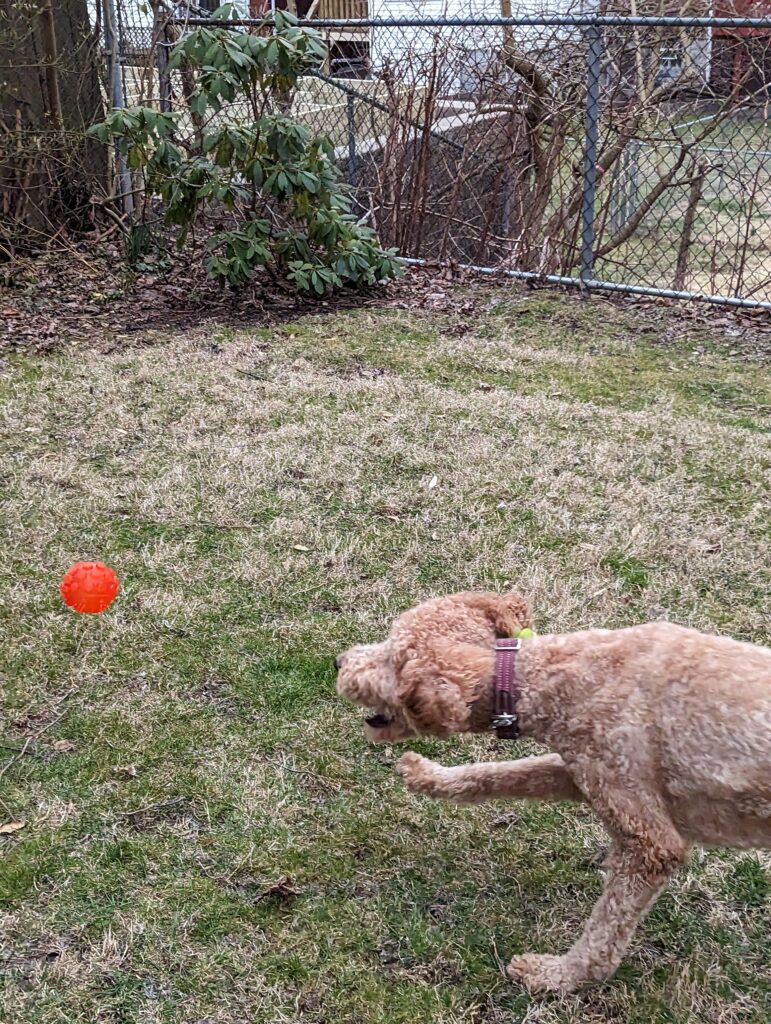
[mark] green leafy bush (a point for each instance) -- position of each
(270, 181)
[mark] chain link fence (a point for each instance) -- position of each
(602, 150)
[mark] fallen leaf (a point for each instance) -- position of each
(126, 771)
(64, 746)
(433, 482)
(300, 547)
(505, 820)
(283, 889)
(389, 952)
(10, 827)
(599, 857)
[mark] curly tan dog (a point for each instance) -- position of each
(664, 731)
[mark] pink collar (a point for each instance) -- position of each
(505, 689)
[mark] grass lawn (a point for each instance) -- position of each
(207, 838)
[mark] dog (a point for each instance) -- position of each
(664, 731)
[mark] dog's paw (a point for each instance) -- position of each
(418, 772)
(539, 972)
(412, 765)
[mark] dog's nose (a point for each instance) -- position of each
(338, 661)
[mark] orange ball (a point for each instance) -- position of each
(89, 587)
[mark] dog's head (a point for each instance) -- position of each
(435, 664)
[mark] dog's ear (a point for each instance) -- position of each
(436, 689)
(508, 613)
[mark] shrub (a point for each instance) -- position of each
(272, 182)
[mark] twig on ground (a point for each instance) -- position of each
(499, 963)
(304, 771)
(161, 805)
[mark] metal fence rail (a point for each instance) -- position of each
(528, 20)
(605, 151)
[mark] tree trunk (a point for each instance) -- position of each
(49, 95)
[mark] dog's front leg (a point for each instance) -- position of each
(531, 778)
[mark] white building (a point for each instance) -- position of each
(468, 49)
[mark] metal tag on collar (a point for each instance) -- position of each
(506, 727)
(504, 721)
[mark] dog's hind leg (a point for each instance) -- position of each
(646, 851)
(531, 778)
(626, 898)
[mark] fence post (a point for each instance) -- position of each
(112, 46)
(351, 118)
(161, 37)
(593, 70)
